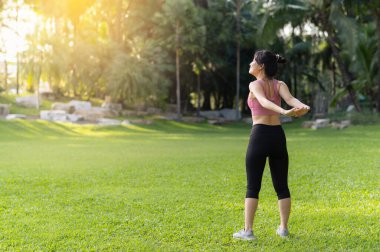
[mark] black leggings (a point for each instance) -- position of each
(267, 141)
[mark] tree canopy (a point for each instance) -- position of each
(154, 53)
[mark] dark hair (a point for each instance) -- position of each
(270, 60)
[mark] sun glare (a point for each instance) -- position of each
(18, 21)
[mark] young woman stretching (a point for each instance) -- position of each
(267, 139)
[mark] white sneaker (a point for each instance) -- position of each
(244, 235)
(282, 232)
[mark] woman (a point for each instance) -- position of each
(268, 139)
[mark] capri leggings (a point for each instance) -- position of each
(267, 141)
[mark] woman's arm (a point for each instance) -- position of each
(258, 92)
(289, 99)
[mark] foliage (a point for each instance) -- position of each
(80, 47)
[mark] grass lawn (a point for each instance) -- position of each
(178, 187)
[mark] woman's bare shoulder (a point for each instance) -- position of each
(255, 82)
(281, 83)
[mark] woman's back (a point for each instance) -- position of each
(261, 115)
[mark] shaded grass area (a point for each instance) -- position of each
(173, 186)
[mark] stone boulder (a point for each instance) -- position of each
(53, 115)
(27, 101)
(169, 116)
(320, 123)
(117, 107)
(125, 122)
(154, 111)
(15, 116)
(90, 115)
(74, 118)
(63, 106)
(4, 109)
(211, 114)
(341, 125)
(350, 108)
(229, 114)
(126, 112)
(80, 105)
(307, 124)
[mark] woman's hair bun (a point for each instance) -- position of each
(280, 59)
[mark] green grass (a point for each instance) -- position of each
(172, 186)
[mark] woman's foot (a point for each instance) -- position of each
(283, 232)
(244, 235)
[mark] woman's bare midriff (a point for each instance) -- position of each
(266, 119)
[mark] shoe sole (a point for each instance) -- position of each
(245, 239)
(282, 236)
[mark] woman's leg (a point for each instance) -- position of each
(255, 163)
(250, 210)
(284, 206)
(279, 162)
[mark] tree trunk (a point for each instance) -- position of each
(238, 5)
(207, 99)
(294, 91)
(199, 94)
(177, 72)
(119, 13)
(377, 15)
(5, 75)
(17, 59)
(346, 75)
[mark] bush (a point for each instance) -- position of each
(364, 118)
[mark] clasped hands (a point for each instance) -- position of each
(297, 111)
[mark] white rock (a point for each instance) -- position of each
(15, 116)
(74, 117)
(80, 105)
(307, 124)
(93, 114)
(154, 111)
(4, 109)
(53, 115)
(230, 114)
(350, 108)
(63, 106)
(125, 122)
(210, 114)
(27, 101)
(113, 106)
(321, 123)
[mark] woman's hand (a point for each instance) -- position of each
(296, 112)
(301, 111)
(290, 112)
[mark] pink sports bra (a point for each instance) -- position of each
(255, 106)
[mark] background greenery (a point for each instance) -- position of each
(173, 186)
(142, 52)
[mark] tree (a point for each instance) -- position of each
(180, 27)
